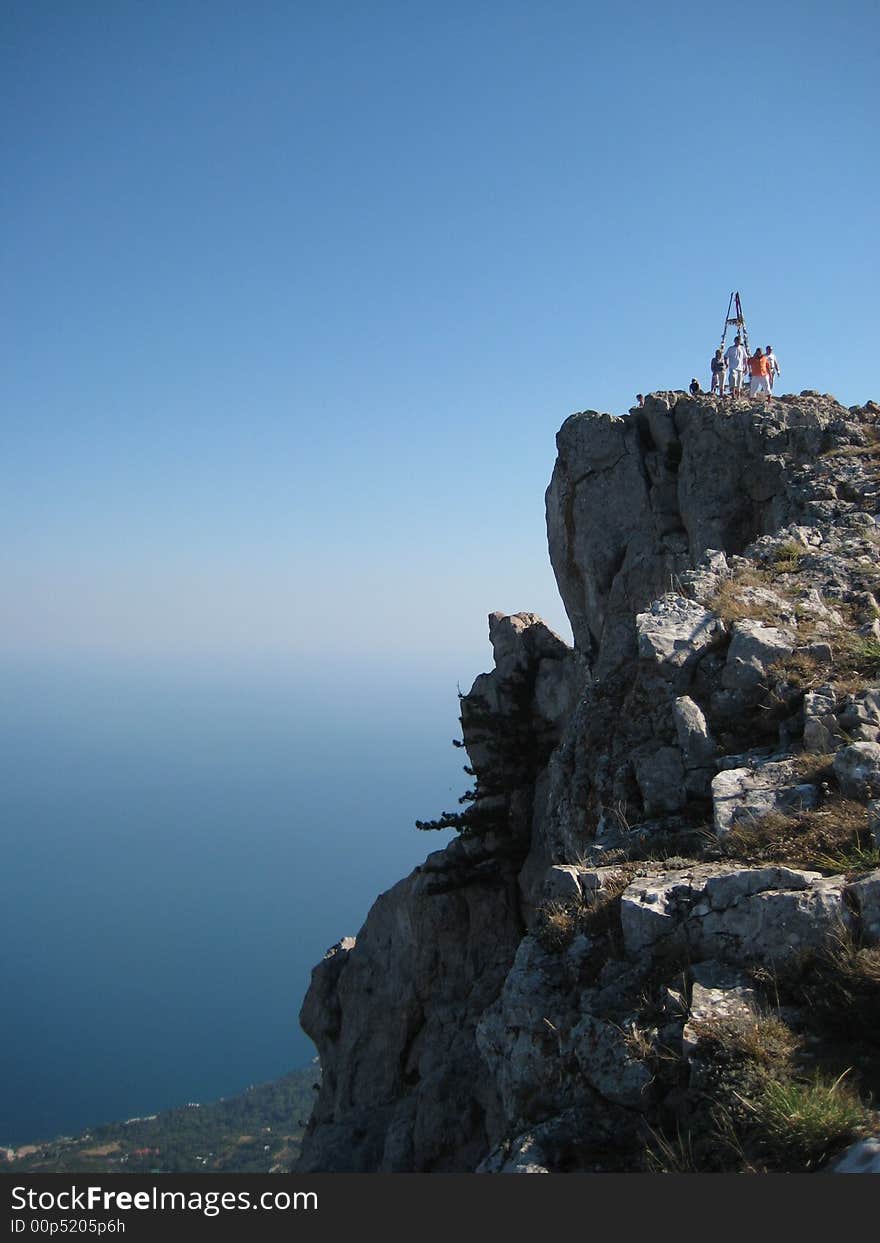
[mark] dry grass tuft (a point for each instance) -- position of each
(787, 557)
(830, 838)
(854, 664)
(801, 670)
(558, 923)
(759, 1038)
(731, 605)
(675, 1155)
(839, 987)
(869, 449)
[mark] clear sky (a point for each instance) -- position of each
(298, 293)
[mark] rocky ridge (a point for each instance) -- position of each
(664, 901)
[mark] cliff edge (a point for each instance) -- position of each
(663, 906)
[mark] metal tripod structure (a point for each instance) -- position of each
(737, 320)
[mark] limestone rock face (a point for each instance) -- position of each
(512, 717)
(514, 1005)
(403, 1087)
(636, 501)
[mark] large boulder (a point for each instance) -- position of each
(744, 795)
(673, 633)
(733, 914)
(754, 649)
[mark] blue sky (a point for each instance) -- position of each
(298, 294)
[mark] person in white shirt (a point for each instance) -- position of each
(774, 366)
(736, 358)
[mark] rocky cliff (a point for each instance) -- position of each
(663, 905)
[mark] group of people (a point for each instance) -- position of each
(762, 369)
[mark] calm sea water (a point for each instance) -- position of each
(179, 847)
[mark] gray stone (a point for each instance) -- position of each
(594, 879)
(865, 897)
(734, 915)
(860, 716)
(874, 820)
(726, 889)
(857, 769)
(746, 794)
(730, 998)
(554, 689)
(694, 739)
(711, 974)
(523, 1035)
(567, 882)
(394, 1019)
(820, 734)
(754, 650)
(674, 632)
(636, 501)
(819, 703)
(518, 638)
(810, 602)
(772, 925)
(660, 776)
(444, 1033)
(862, 1157)
(821, 729)
(526, 696)
(561, 884)
(604, 1054)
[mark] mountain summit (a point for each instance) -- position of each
(654, 942)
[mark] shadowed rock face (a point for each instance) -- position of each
(635, 501)
(394, 1012)
(393, 1015)
(463, 1028)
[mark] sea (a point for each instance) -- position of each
(181, 843)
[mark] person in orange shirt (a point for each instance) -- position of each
(759, 374)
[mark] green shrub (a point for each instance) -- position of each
(798, 1124)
